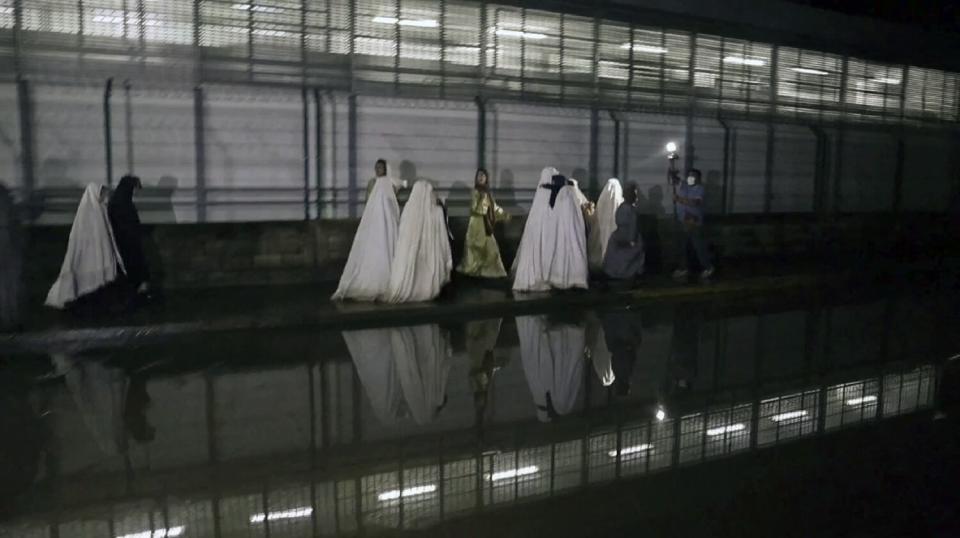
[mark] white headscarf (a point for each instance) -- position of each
(532, 262)
(423, 260)
(610, 199)
(552, 363)
(366, 277)
(92, 258)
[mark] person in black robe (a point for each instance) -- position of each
(125, 222)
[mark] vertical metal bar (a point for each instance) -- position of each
(725, 203)
(897, 205)
(25, 109)
(306, 153)
(594, 149)
(396, 89)
(200, 157)
(209, 401)
(318, 146)
(689, 149)
(352, 156)
(481, 130)
(443, 60)
(616, 144)
(250, 40)
(128, 123)
(837, 202)
(768, 168)
(107, 130)
(17, 36)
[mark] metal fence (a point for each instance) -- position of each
(437, 49)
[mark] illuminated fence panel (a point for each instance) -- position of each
(907, 392)
(808, 83)
(873, 90)
(931, 94)
(788, 417)
(851, 403)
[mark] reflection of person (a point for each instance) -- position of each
(481, 257)
(366, 276)
(92, 260)
(125, 223)
(553, 250)
(689, 199)
(11, 252)
(604, 221)
(625, 254)
(623, 332)
(552, 355)
(423, 260)
(598, 351)
(481, 341)
(686, 349)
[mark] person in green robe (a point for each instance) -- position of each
(481, 256)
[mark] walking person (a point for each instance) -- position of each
(689, 199)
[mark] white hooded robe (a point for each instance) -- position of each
(610, 199)
(92, 258)
(423, 261)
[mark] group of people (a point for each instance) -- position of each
(104, 251)
(402, 258)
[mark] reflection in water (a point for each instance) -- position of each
(401, 365)
(331, 468)
(481, 343)
(552, 354)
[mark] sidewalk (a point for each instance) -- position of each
(280, 307)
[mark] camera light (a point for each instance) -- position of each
(671, 147)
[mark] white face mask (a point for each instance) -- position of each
(691, 180)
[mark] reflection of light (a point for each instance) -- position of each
(726, 429)
(257, 8)
(886, 80)
(671, 148)
(740, 60)
(159, 533)
(503, 32)
(295, 513)
(861, 401)
(790, 415)
(513, 473)
(807, 71)
(631, 450)
(408, 492)
(420, 23)
(645, 48)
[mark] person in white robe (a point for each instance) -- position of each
(423, 359)
(366, 276)
(92, 260)
(423, 260)
(605, 222)
(383, 169)
(552, 356)
(372, 354)
(552, 251)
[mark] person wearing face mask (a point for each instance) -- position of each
(689, 200)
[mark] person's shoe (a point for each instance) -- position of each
(680, 273)
(707, 273)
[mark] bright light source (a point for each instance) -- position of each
(790, 415)
(159, 533)
(631, 450)
(861, 401)
(503, 32)
(713, 432)
(887, 80)
(513, 473)
(421, 23)
(258, 9)
(645, 48)
(408, 492)
(295, 513)
(671, 148)
(661, 414)
(741, 60)
(807, 71)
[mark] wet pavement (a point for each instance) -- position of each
(785, 413)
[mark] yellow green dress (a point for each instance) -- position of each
(481, 256)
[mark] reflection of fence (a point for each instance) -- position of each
(425, 488)
(213, 97)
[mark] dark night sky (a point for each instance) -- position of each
(939, 14)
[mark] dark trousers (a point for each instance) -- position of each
(692, 234)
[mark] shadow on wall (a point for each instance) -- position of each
(652, 210)
(504, 190)
(161, 207)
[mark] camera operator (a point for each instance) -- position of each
(688, 197)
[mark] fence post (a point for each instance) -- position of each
(108, 130)
(200, 154)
